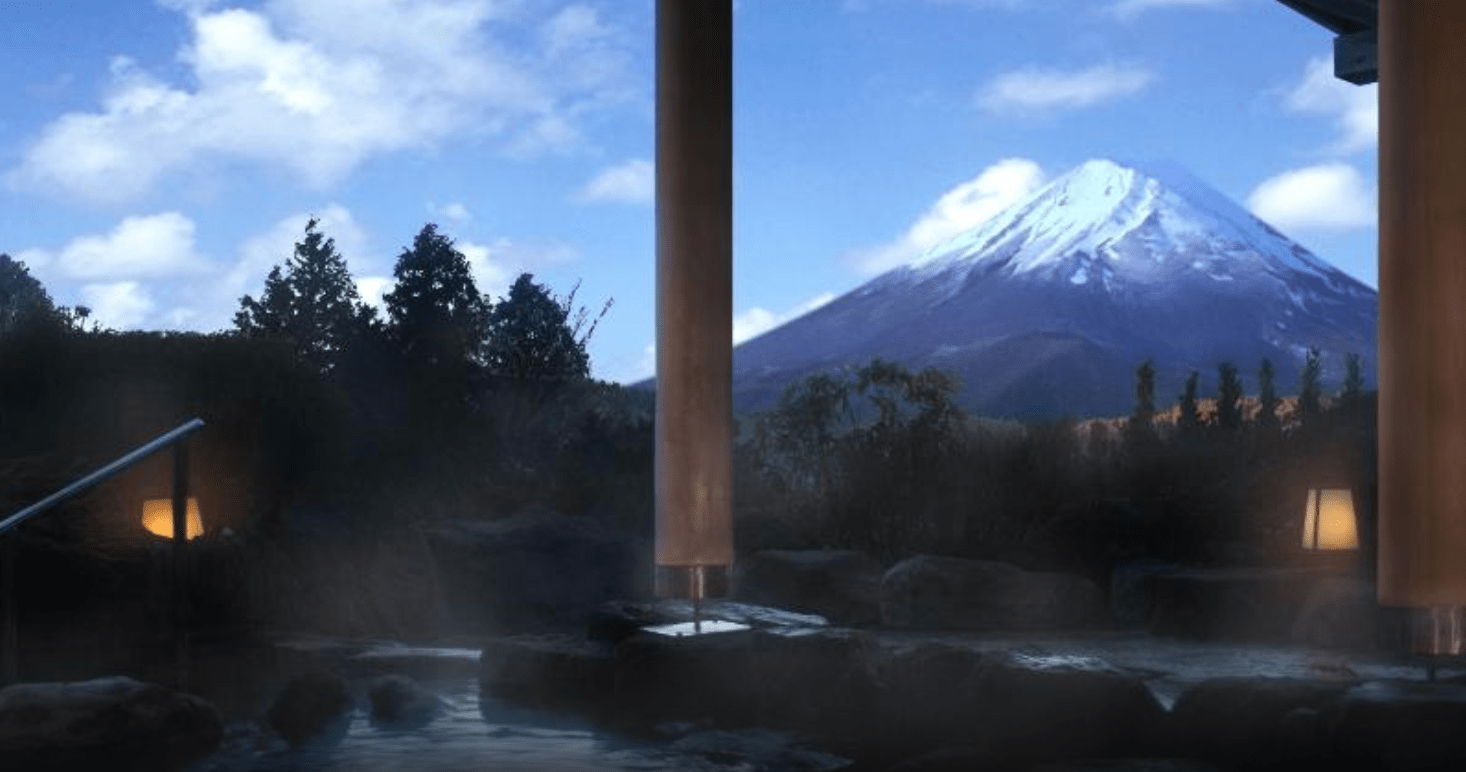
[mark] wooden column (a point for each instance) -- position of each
(694, 446)
(1422, 315)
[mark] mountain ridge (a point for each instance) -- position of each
(1047, 308)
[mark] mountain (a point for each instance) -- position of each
(1047, 309)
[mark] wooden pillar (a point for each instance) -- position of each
(694, 445)
(1422, 316)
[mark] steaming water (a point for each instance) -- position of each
(481, 732)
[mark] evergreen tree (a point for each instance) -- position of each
(1229, 398)
(1353, 388)
(436, 315)
(313, 302)
(1141, 426)
(532, 339)
(24, 303)
(1308, 388)
(1190, 419)
(1267, 398)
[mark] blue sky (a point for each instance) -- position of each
(157, 158)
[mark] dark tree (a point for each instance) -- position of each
(532, 339)
(1353, 388)
(435, 313)
(1308, 388)
(1229, 398)
(1190, 418)
(24, 303)
(313, 302)
(1141, 427)
(1267, 398)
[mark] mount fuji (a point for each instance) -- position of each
(1047, 309)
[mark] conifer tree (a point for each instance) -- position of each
(1229, 398)
(1267, 398)
(1190, 418)
(313, 302)
(435, 314)
(1308, 388)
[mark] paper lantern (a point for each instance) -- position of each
(158, 518)
(1329, 522)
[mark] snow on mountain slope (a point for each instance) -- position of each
(1043, 307)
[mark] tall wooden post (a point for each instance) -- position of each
(180, 563)
(1422, 317)
(694, 445)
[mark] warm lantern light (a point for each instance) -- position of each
(158, 518)
(1329, 523)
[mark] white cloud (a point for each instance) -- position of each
(1326, 197)
(632, 182)
(960, 209)
(319, 86)
(1354, 108)
(454, 212)
(491, 270)
(756, 321)
(1129, 9)
(140, 247)
(1033, 89)
(118, 305)
(373, 288)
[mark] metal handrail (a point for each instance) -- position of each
(9, 646)
(143, 451)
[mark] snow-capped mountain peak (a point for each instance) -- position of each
(1103, 218)
(1047, 308)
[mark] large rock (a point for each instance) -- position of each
(1251, 721)
(550, 669)
(1238, 604)
(313, 708)
(536, 570)
(843, 586)
(398, 702)
(1339, 612)
(928, 592)
(1050, 706)
(1393, 725)
(112, 723)
(1013, 706)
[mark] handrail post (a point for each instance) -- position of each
(9, 622)
(180, 567)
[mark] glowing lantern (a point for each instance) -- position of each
(1329, 522)
(158, 518)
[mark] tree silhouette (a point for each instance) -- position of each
(313, 302)
(1353, 387)
(531, 338)
(1190, 419)
(1140, 428)
(24, 303)
(435, 314)
(1267, 398)
(1229, 398)
(1308, 388)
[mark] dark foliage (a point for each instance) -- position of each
(435, 312)
(1229, 399)
(531, 339)
(313, 303)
